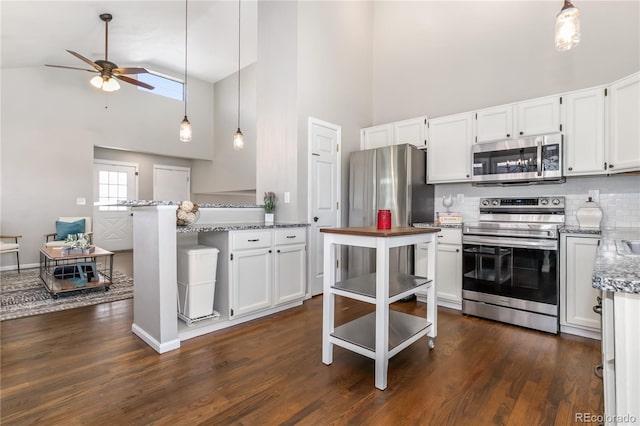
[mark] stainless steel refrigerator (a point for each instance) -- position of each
(391, 178)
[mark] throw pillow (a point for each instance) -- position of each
(65, 228)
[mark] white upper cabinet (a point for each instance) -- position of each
(538, 116)
(449, 152)
(535, 117)
(412, 131)
(584, 135)
(624, 125)
(376, 136)
(494, 123)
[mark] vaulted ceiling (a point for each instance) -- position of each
(142, 33)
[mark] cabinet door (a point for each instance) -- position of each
(411, 131)
(421, 256)
(624, 131)
(251, 281)
(583, 126)
(290, 273)
(449, 152)
(580, 295)
(449, 273)
(494, 123)
(376, 137)
(539, 116)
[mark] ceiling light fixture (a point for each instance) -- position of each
(238, 138)
(185, 127)
(567, 27)
(105, 83)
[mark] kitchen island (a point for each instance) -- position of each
(383, 333)
(156, 239)
(617, 275)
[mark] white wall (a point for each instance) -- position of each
(231, 170)
(437, 58)
(334, 80)
(51, 121)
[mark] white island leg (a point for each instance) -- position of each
(328, 301)
(382, 312)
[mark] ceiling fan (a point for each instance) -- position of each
(108, 71)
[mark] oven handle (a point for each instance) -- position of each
(547, 234)
(511, 242)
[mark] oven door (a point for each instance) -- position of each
(514, 268)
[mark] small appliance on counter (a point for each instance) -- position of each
(589, 215)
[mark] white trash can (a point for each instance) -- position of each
(197, 267)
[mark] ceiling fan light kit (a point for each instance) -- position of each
(108, 71)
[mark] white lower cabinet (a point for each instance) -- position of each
(577, 296)
(258, 270)
(448, 267)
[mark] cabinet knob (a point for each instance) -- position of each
(278, 251)
(570, 168)
(467, 176)
(508, 135)
(611, 166)
(522, 133)
(270, 251)
(315, 218)
(457, 250)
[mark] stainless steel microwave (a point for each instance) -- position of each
(533, 159)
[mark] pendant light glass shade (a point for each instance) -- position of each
(105, 83)
(567, 27)
(238, 140)
(238, 137)
(185, 126)
(185, 130)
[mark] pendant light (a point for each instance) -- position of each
(238, 138)
(567, 27)
(185, 126)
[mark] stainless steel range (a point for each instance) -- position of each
(510, 261)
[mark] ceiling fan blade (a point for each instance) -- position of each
(130, 70)
(70, 68)
(88, 61)
(134, 81)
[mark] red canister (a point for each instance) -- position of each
(384, 219)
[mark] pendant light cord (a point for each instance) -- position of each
(184, 86)
(238, 64)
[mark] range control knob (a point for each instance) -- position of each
(555, 201)
(544, 202)
(485, 202)
(495, 202)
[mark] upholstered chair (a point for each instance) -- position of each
(66, 226)
(11, 246)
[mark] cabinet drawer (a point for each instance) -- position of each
(450, 236)
(291, 236)
(250, 239)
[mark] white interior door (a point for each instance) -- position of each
(171, 183)
(114, 181)
(324, 193)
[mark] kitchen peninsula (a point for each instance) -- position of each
(233, 230)
(617, 274)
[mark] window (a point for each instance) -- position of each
(166, 86)
(112, 187)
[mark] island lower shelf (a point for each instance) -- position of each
(404, 329)
(364, 287)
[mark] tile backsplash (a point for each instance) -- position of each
(619, 198)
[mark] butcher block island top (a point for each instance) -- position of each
(381, 334)
(373, 231)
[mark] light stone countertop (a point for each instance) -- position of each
(218, 227)
(614, 271)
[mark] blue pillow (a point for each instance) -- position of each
(65, 228)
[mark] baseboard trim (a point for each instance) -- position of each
(151, 341)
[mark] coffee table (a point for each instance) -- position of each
(72, 272)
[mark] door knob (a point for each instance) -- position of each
(315, 218)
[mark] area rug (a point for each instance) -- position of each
(23, 294)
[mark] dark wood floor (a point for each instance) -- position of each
(84, 366)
